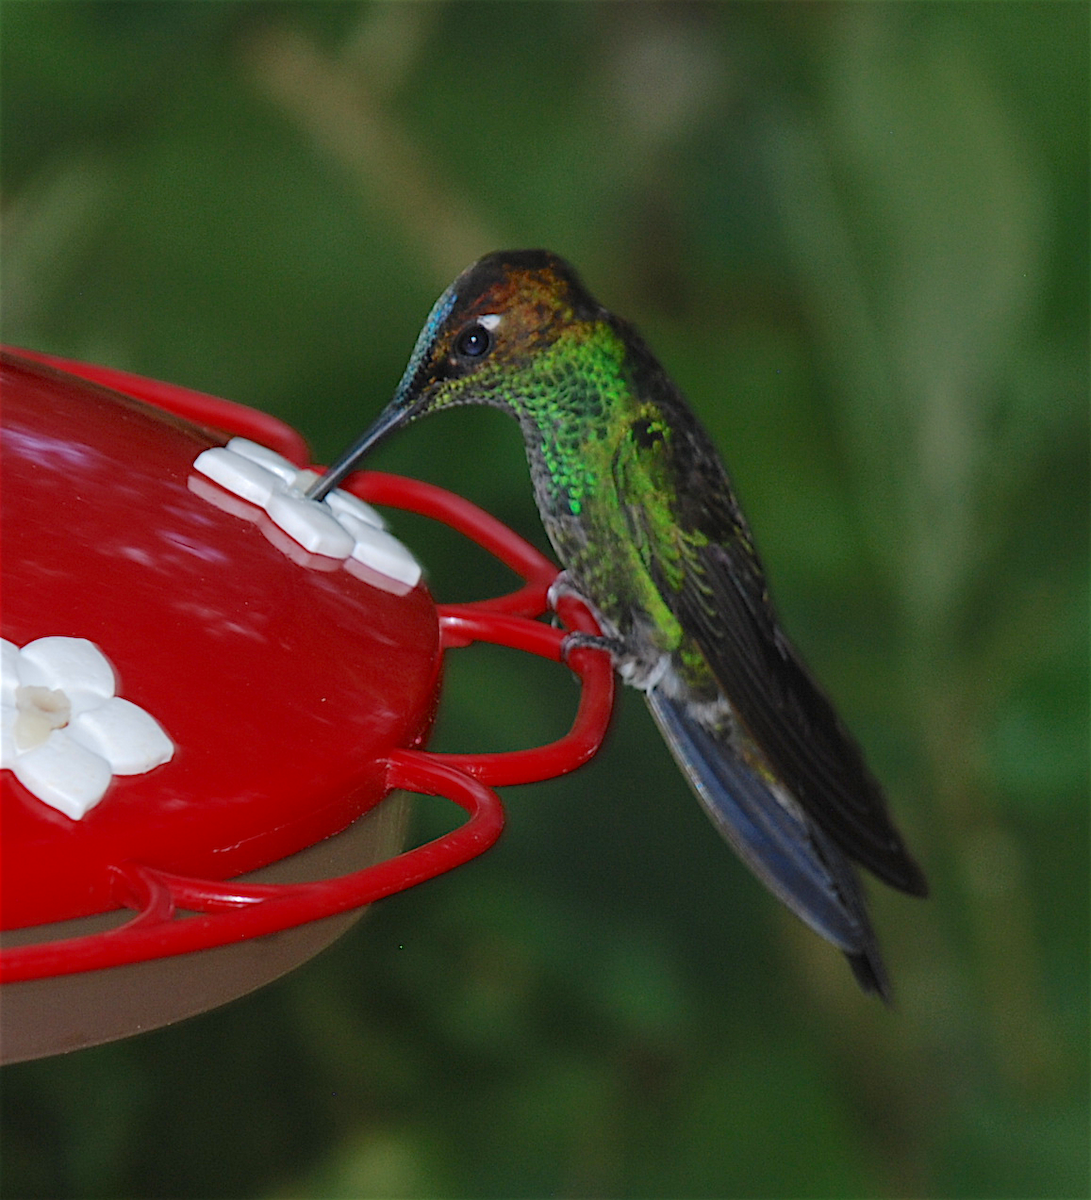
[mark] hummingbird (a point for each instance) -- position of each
(640, 510)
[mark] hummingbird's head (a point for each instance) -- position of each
(488, 340)
(490, 327)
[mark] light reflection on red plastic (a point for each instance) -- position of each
(198, 407)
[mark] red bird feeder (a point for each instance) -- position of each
(216, 700)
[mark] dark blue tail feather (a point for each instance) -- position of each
(780, 844)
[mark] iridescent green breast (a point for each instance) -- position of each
(594, 447)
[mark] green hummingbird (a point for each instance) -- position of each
(641, 513)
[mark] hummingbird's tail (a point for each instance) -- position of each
(779, 843)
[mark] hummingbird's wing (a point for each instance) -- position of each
(781, 845)
(724, 605)
(708, 574)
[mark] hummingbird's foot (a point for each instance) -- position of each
(615, 647)
(560, 587)
(637, 672)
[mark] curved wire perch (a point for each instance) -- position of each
(228, 912)
(594, 669)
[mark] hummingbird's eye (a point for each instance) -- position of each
(474, 341)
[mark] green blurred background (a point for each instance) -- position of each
(857, 236)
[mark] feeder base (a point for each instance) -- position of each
(40, 1017)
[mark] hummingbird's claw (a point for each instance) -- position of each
(615, 647)
(560, 587)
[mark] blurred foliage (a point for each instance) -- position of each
(857, 235)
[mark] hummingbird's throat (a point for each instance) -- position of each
(565, 477)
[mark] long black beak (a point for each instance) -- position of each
(388, 420)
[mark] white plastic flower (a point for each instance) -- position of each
(63, 731)
(340, 526)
